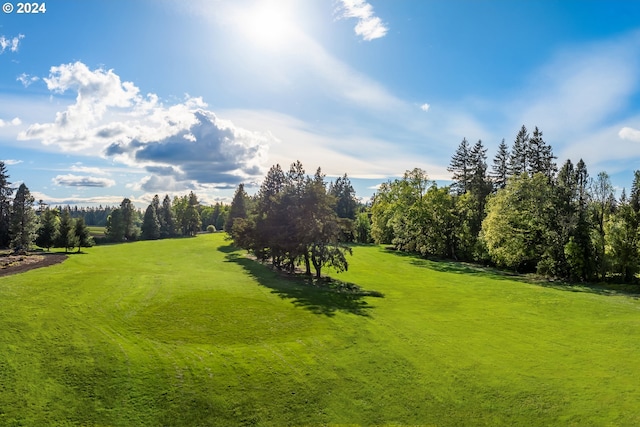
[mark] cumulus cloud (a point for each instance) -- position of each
(10, 44)
(26, 79)
(185, 141)
(425, 107)
(14, 122)
(630, 134)
(71, 180)
(369, 26)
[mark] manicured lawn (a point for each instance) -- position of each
(189, 332)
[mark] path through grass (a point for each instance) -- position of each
(189, 332)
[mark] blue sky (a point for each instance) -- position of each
(106, 99)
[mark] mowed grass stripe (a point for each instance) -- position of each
(189, 332)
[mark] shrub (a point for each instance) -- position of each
(211, 229)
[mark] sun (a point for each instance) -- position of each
(268, 24)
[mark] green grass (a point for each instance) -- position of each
(96, 231)
(189, 332)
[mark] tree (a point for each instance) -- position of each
(129, 219)
(6, 191)
(115, 229)
(192, 222)
(500, 169)
(82, 234)
(167, 219)
(461, 167)
(602, 205)
(150, 224)
(363, 228)
(518, 228)
(48, 231)
(24, 222)
(345, 196)
(540, 156)
(238, 208)
(66, 236)
(519, 158)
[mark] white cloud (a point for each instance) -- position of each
(10, 43)
(629, 134)
(12, 162)
(425, 107)
(87, 201)
(13, 122)
(71, 180)
(26, 79)
(369, 26)
(111, 118)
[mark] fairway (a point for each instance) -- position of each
(189, 332)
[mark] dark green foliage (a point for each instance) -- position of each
(82, 235)
(166, 218)
(6, 191)
(293, 222)
(150, 224)
(500, 169)
(66, 236)
(48, 231)
(346, 203)
(461, 166)
(115, 230)
(24, 222)
(238, 208)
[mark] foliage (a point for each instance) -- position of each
(24, 222)
(6, 191)
(292, 221)
(48, 231)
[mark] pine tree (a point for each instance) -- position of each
(500, 169)
(150, 224)
(345, 195)
(238, 208)
(82, 234)
(66, 234)
(519, 159)
(540, 156)
(48, 231)
(461, 167)
(24, 222)
(6, 191)
(166, 218)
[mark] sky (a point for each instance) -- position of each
(106, 99)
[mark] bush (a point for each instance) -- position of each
(211, 229)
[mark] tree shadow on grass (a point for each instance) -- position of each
(301, 291)
(458, 267)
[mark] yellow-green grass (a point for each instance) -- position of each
(189, 332)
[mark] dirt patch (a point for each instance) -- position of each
(14, 264)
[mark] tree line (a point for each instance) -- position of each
(524, 214)
(21, 226)
(297, 219)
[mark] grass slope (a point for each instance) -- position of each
(189, 332)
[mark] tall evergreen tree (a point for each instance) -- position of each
(166, 218)
(48, 231)
(129, 219)
(115, 229)
(150, 224)
(24, 222)
(66, 236)
(461, 167)
(500, 168)
(345, 195)
(238, 208)
(519, 157)
(82, 234)
(540, 156)
(6, 191)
